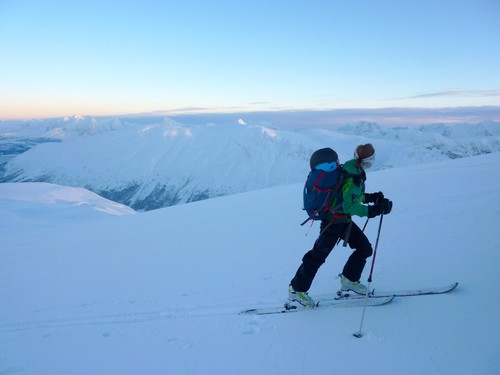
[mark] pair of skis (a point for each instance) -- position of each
(347, 300)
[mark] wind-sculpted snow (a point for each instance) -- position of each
(152, 165)
(39, 196)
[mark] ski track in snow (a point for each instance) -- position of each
(114, 319)
(148, 316)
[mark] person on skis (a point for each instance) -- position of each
(338, 225)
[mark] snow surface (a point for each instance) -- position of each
(84, 292)
(40, 194)
(152, 165)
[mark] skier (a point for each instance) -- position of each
(339, 225)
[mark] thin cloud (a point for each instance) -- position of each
(300, 118)
(458, 93)
(260, 103)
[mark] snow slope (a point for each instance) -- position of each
(159, 292)
(41, 195)
(151, 165)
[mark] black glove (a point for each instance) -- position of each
(383, 206)
(373, 197)
(374, 210)
(386, 206)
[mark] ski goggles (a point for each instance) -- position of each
(328, 166)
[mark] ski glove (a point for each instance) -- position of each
(386, 206)
(373, 197)
(374, 211)
(383, 206)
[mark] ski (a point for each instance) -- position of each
(399, 293)
(321, 304)
(342, 299)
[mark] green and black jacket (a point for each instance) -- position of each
(353, 194)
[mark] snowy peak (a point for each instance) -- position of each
(149, 165)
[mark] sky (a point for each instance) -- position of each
(102, 57)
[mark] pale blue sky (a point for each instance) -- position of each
(61, 58)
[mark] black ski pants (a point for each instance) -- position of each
(329, 235)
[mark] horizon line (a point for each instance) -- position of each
(389, 114)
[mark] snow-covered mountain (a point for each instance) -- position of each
(85, 292)
(151, 165)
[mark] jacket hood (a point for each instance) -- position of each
(352, 167)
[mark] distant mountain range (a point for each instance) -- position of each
(151, 165)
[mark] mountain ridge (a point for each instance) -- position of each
(153, 165)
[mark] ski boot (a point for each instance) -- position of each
(299, 297)
(347, 286)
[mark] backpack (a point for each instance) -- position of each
(320, 191)
(323, 185)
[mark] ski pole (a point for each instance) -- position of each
(359, 334)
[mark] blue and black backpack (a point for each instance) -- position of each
(322, 190)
